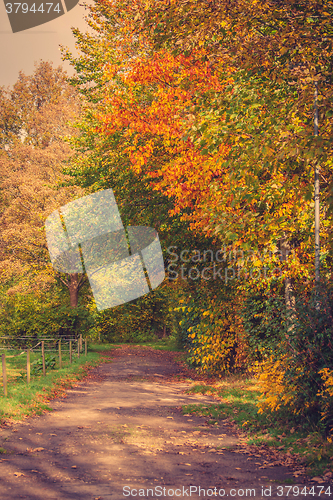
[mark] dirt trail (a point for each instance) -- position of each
(122, 434)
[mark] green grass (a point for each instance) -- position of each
(23, 399)
(237, 400)
(104, 347)
(167, 344)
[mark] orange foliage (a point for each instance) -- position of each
(153, 107)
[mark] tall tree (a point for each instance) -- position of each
(31, 170)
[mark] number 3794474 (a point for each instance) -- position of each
(44, 8)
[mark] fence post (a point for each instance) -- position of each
(85, 346)
(4, 374)
(70, 351)
(43, 357)
(80, 342)
(60, 364)
(28, 366)
(78, 348)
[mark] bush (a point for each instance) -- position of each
(298, 374)
(263, 318)
(211, 329)
(138, 321)
(40, 315)
(37, 367)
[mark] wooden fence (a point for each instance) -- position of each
(43, 346)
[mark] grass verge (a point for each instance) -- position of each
(238, 398)
(169, 343)
(32, 399)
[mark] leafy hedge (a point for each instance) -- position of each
(295, 347)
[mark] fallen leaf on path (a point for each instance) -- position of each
(18, 474)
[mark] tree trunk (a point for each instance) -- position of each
(289, 294)
(73, 288)
(288, 284)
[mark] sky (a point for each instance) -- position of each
(19, 51)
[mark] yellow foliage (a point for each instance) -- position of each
(327, 377)
(217, 347)
(275, 393)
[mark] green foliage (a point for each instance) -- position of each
(37, 367)
(141, 320)
(309, 339)
(292, 374)
(263, 317)
(37, 315)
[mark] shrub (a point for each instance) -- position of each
(297, 375)
(40, 315)
(137, 321)
(211, 329)
(263, 318)
(37, 367)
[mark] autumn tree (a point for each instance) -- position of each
(213, 103)
(278, 51)
(133, 135)
(31, 164)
